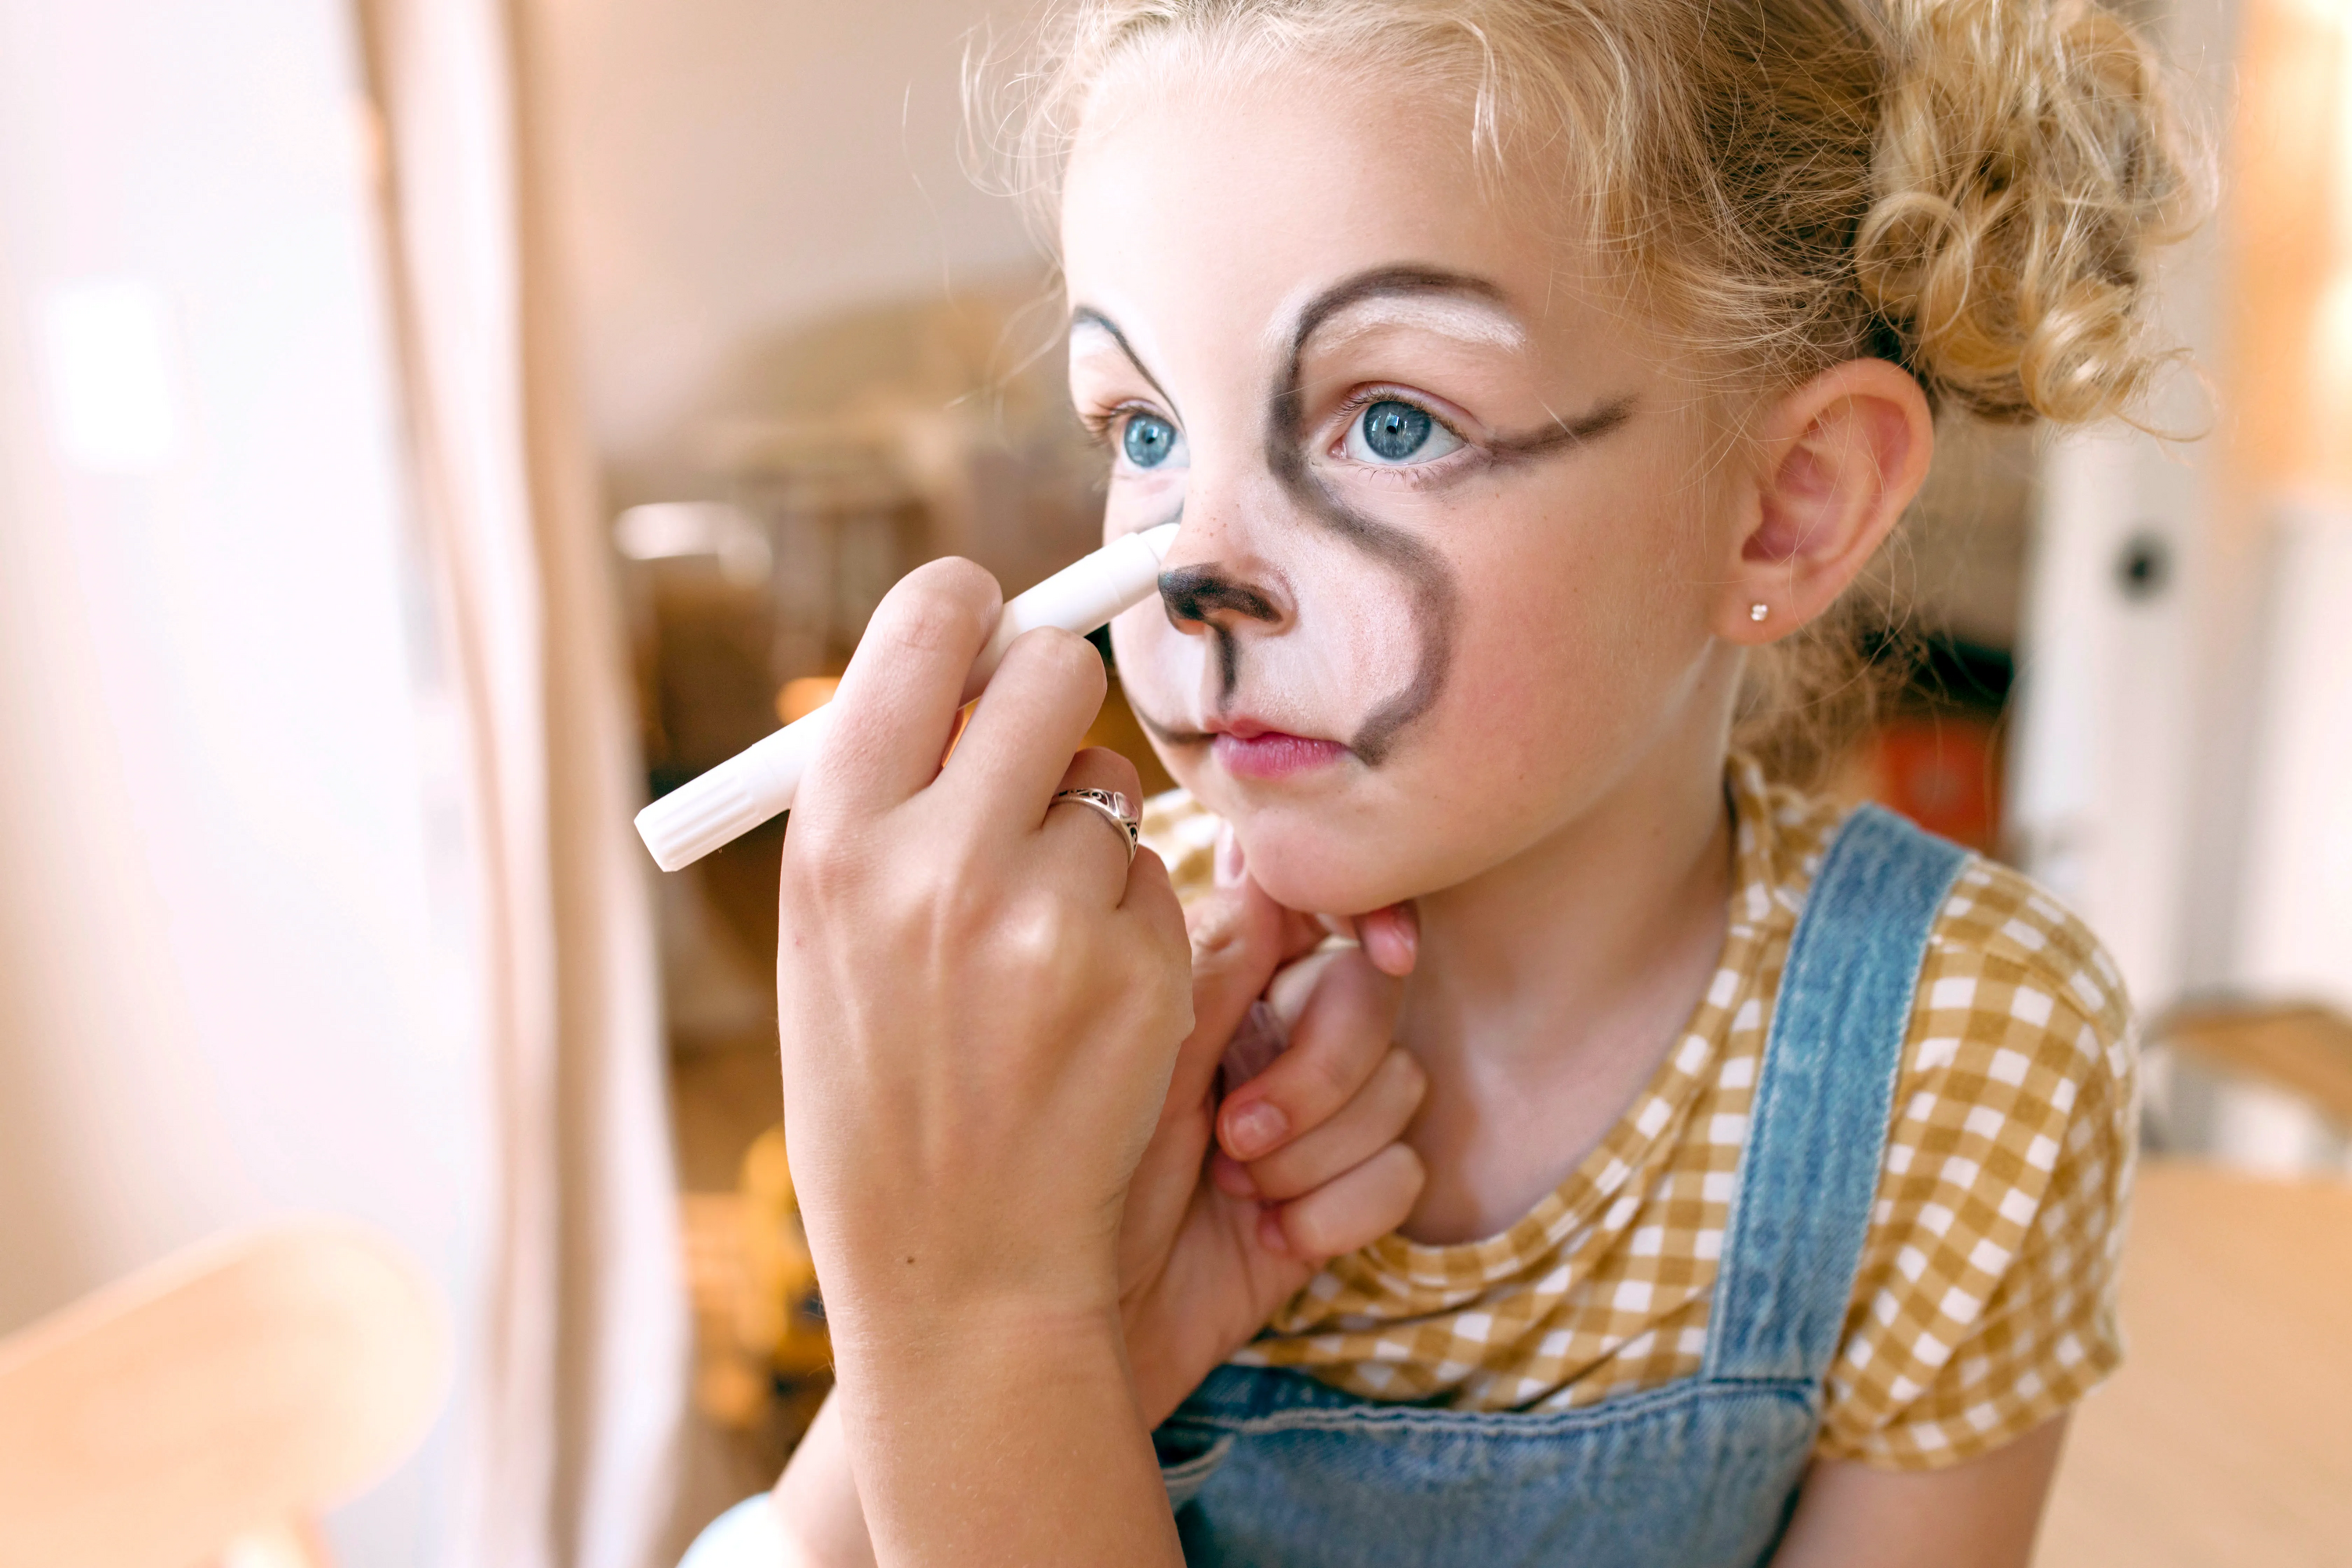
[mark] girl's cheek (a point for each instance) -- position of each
(1146, 652)
(1141, 500)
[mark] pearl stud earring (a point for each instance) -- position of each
(1758, 612)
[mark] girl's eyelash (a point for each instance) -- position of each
(1356, 402)
(1100, 423)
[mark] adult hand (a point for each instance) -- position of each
(981, 1000)
(1203, 1265)
(1306, 1163)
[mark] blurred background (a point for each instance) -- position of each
(430, 428)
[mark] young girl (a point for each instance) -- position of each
(1680, 1171)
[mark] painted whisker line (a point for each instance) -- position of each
(1168, 735)
(1565, 433)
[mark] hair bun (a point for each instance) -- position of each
(2025, 166)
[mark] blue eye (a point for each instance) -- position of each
(1391, 433)
(1396, 430)
(1147, 440)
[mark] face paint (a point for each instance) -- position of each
(1463, 307)
(1194, 594)
(1083, 317)
(1431, 582)
(1472, 321)
(1562, 433)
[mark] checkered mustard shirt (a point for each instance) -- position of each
(1985, 1303)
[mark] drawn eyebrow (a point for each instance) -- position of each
(1449, 313)
(1387, 282)
(1087, 316)
(1410, 282)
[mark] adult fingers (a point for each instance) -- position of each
(1032, 717)
(1337, 1042)
(1151, 897)
(1375, 1117)
(1355, 1210)
(898, 698)
(1390, 938)
(1236, 935)
(1084, 836)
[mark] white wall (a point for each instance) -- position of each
(2100, 786)
(729, 170)
(2295, 938)
(2125, 795)
(2186, 761)
(231, 937)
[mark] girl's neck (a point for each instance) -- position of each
(1548, 989)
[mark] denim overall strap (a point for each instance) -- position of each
(1826, 1095)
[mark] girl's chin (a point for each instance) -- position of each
(1301, 867)
(1337, 895)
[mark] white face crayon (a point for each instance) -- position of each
(749, 788)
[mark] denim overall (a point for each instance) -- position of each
(1269, 1469)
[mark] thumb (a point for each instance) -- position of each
(1238, 940)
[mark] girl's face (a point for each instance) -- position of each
(1443, 585)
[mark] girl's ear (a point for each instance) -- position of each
(1839, 459)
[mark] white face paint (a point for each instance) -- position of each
(1466, 321)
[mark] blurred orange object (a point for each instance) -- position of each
(780, 1315)
(760, 1325)
(1942, 771)
(798, 698)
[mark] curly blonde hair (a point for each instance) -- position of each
(1970, 188)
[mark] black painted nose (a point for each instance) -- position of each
(1206, 596)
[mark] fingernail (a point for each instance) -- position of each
(1393, 938)
(1230, 862)
(1254, 1129)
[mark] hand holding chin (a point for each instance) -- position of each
(1303, 1160)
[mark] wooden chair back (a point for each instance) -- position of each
(204, 1410)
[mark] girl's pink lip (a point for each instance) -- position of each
(1270, 754)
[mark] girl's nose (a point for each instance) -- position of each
(1210, 597)
(1215, 580)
